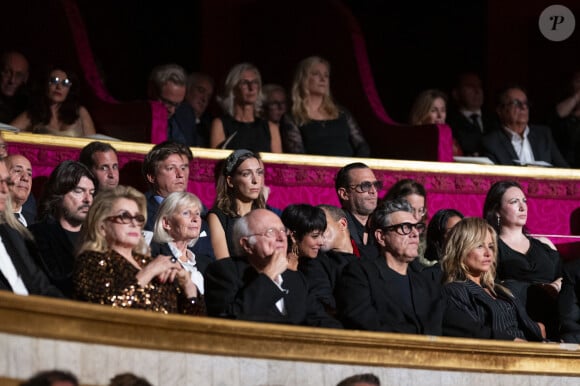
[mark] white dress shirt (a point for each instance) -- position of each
(9, 271)
(189, 265)
(522, 146)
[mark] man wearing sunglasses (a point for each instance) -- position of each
(67, 197)
(358, 190)
(389, 293)
(519, 143)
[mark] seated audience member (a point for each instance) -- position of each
(20, 171)
(358, 191)
(430, 108)
(255, 284)
(240, 126)
(3, 147)
(240, 188)
(101, 159)
(52, 378)
(416, 195)
(476, 306)
(517, 142)
(67, 197)
(200, 88)
(112, 267)
(530, 267)
(19, 272)
(166, 169)
(437, 231)
(167, 85)
(177, 227)
(306, 225)
(128, 379)
(337, 236)
(55, 107)
(316, 125)
(13, 81)
(468, 119)
(389, 293)
(274, 102)
(367, 379)
(569, 303)
(567, 123)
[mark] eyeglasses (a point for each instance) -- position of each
(271, 233)
(55, 80)
(169, 103)
(405, 228)
(366, 186)
(249, 83)
(521, 105)
(278, 104)
(126, 218)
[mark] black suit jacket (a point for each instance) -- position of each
(498, 147)
(467, 134)
(182, 127)
(201, 261)
(234, 289)
(469, 313)
(55, 254)
(569, 302)
(367, 300)
(33, 277)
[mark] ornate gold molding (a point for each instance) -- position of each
(81, 322)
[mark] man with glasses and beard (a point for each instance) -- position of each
(389, 293)
(358, 190)
(64, 205)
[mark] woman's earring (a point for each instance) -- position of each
(498, 222)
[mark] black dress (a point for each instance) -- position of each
(254, 136)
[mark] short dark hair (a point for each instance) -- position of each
(128, 379)
(502, 93)
(301, 219)
(381, 216)
(366, 378)
(87, 152)
(405, 187)
(64, 178)
(342, 179)
(160, 153)
(47, 378)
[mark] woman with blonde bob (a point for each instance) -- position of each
(317, 125)
(176, 229)
(240, 126)
(477, 307)
(112, 266)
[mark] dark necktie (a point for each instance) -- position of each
(475, 120)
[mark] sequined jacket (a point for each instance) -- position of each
(108, 278)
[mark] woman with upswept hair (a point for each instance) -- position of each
(240, 126)
(316, 124)
(476, 306)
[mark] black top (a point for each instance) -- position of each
(569, 302)
(254, 136)
(228, 225)
(369, 250)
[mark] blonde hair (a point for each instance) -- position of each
(170, 205)
(300, 92)
(92, 237)
(422, 106)
(464, 237)
(227, 100)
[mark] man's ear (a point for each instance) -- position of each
(246, 246)
(343, 222)
(379, 236)
(151, 179)
(343, 194)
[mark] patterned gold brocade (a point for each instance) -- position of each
(109, 279)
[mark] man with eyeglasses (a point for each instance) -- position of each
(519, 143)
(389, 293)
(67, 197)
(13, 79)
(256, 283)
(358, 190)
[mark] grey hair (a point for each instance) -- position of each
(241, 229)
(226, 101)
(381, 217)
(162, 74)
(168, 208)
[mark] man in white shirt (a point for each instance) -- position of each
(519, 143)
(20, 171)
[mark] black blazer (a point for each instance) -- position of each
(234, 289)
(469, 313)
(467, 134)
(201, 261)
(569, 302)
(367, 300)
(55, 254)
(498, 147)
(33, 277)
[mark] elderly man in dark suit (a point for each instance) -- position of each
(389, 293)
(518, 143)
(257, 284)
